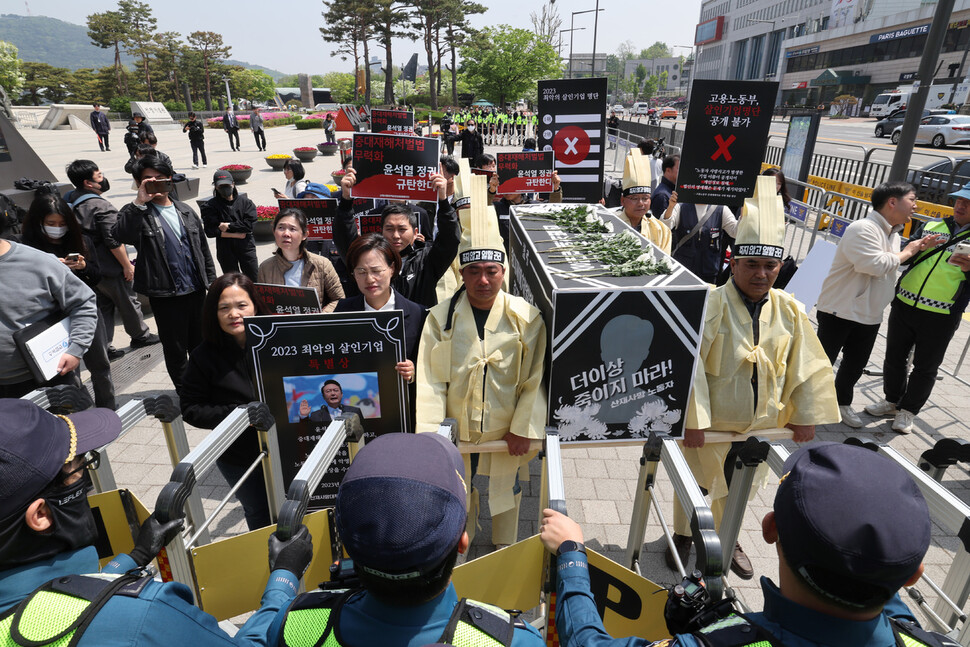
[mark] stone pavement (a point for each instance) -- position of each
(600, 481)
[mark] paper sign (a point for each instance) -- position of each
(525, 172)
(395, 167)
(47, 347)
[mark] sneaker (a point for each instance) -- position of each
(115, 353)
(881, 408)
(903, 423)
(195, 166)
(849, 418)
(147, 340)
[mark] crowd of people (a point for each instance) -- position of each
(475, 353)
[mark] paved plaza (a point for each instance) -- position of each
(600, 481)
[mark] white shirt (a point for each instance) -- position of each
(729, 224)
(294, 188)
(387, 306)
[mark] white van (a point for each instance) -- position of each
(640, 108)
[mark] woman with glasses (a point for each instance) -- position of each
(293, 265)
(374, 264)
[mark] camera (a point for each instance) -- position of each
(689, 606)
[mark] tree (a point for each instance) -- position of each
(139, 25)
(505, 62)
(211, 50)
(457, 33)
(43, 81)
(11, 76)
(341, 85)
(107, 31)
(547, 23)
(842, 103)
(254, 85)
(657, 50)
(167, 50)
(427, 18)
(349, 31)
(390, 24)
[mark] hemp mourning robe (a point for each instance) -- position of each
(651, 229)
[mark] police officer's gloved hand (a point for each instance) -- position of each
(153, 537)
(293, 554)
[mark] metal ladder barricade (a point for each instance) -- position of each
(661, 448)
(946, 452)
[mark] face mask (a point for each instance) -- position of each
(471, 129)
(225, 190)
(73, 527)
(55, 233)
(105, 185)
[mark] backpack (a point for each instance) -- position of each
(10, 216)
(315, 190)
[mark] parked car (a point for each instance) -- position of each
(618, 109)
(939, 131)
(668, 113)
(935, 182)
(888, 124)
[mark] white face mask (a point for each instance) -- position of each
(55, 233)
(471, 128)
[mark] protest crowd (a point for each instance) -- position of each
(406, 510)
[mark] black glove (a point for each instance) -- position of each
(293, 554)
(153, 537)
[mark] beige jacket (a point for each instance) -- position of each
(318, 273)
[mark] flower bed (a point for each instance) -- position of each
(279, 156)
(327, 148)
(278, 161)
(305, 153)
(236, 167)
(266, 213)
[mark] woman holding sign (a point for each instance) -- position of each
(373, 262)
(216, 381)
(293, 265)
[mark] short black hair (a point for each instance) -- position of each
(450, 164)
(149, 139)
(669, 162)
(80, 170)
(373, 242)
(484, 159)
(400, 209)
(191, 114)
(212, 331)
(153, 162)
(296, 214)
(143, 150)
(297, 167)
(647, 146)
(331, 382)
(886, 190)
(530, 142)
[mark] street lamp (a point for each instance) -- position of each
(572, 27)
(566, 31)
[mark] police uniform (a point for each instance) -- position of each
(492, 384)
(637, 179)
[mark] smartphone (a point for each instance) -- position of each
(158, 186)
(276, 191)
(74, 258)
(960, 248)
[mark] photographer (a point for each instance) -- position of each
(196, 131)
(850, 528)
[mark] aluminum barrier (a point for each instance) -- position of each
(946, 510)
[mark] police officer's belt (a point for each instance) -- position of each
(312, 620)
(737, 631)
(61, 610)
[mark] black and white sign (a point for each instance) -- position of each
(572, 124)
(395, 167)
(525, 172)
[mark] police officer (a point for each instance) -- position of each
(400, 515)
(47, 537)
(850, 528)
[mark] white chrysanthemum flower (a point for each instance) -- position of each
(646, 257)
(609, 226)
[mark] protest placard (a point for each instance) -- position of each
(572, 123)
(396, 167)
(392, 122)
(526, 172)
(295, 356)
(725, 140)
(320, 214)
(288, 300)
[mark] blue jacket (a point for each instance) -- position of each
(162, 615)
(365, 620)
(793, 625)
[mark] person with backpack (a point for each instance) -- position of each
(295, 184)
(229, 217)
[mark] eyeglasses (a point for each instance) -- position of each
(373, 272)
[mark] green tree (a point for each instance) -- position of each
(657, 50)
(504, 62)
(347, 28)
(139, 27)
(107, 31)
(427, 19)
(389, 23)
(84, 85)
(457, 33)
(11, 76)
(167, 49)
(211, 51)
(253, 85)
(43, 81)
(341, 85)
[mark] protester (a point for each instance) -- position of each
(760, 365)
(472, 144)
(101, 127)
(51, 227)
(422, 264)
(699, 235)
(481, 362)
(231, 125)
(259, 131)
(503, 205)
(400, 515)
(98, 219)
(931, 295)
(861, 283)
(196, 131)
(292, 264)
(660, 198)
(49, 564)
(229, 217)
(782, 183)
(329, 128)
(216, 381)
(174, 267)
(635, 209)
(842, 555)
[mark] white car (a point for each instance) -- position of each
(618, 109)
(939, 131)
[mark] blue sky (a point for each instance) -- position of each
(285, 36)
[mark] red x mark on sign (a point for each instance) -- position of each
(722, 147)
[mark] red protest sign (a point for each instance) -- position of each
(319, 216)
(395, 167)
(526, 172)
(392, 122)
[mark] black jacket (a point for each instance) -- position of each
(472, 144)
(323, 413)
(141, 228)
(215, 382)
(98, 218)
(130, 164)
(240, 214)
(421, 267)
(137, 131)
(414, 316)
(196, 130)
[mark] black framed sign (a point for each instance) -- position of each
(392, 122)
(395, 167)
(525, 172)
(286, 299)
(296, 361)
